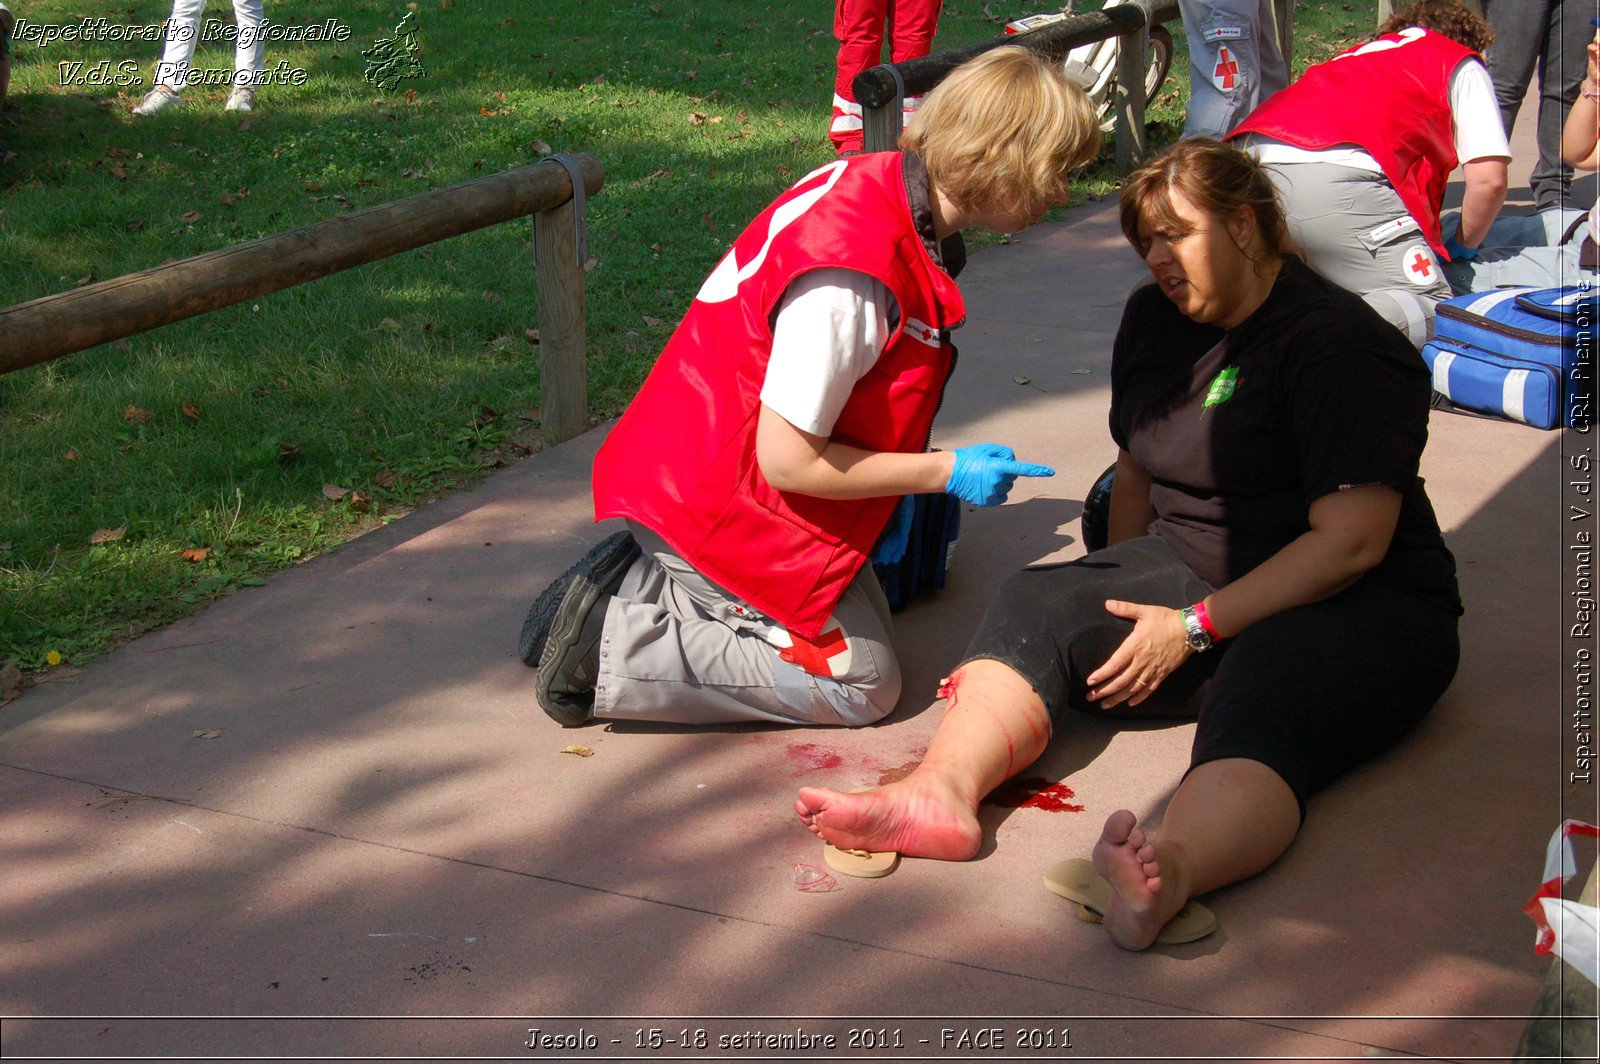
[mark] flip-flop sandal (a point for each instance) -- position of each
(1076, 880)
(863, 864)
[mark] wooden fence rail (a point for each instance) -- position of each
(60, 324)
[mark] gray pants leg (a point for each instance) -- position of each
(1234, 62)
(677, 647)
(1552, 35)
(1356, 233)
(1523, 250)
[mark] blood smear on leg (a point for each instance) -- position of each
(1034, 792)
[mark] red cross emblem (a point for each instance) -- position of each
(813, 657)
(927, 333)
(1418, 265)
(1226, 70)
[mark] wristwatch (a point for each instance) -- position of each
(1197, 637)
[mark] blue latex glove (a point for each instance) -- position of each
(1458, 253)
(984, 473)
(897, 535)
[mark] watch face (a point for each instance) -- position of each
(1200, 640)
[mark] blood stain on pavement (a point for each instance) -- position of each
(1034, 792)
(810, 757)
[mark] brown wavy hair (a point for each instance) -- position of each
(1460, 24)
(1217, 178)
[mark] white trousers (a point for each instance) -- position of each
(183, 33)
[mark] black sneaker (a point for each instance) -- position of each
(571, 663)
(606, 564)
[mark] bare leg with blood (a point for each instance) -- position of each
(994, 727)
(1230, 818)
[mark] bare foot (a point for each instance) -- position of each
(916, 817)
(1142, 898)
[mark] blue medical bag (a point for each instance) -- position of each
(1525, 354)
(935, 524)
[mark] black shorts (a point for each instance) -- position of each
(1311, 692)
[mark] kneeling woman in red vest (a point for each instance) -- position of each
(766, 453)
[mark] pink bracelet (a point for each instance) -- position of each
(1204, 617)
(1589, 90)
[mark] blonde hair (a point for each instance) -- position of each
(1003, 131)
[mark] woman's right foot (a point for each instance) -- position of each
(915, 817)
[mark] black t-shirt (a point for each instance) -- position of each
(1241, 429)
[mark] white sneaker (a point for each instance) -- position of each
(158, 99)
(242, 98)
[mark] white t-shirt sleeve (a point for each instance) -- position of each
(1475, 114)
(830, 328)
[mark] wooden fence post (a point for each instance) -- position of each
(563, 365)
(1132, 58)
(881, 126)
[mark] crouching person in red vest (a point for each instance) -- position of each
(1361, 147)
(765, 454)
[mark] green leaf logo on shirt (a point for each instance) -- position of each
(1222, 388)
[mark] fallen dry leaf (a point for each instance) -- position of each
(190, 410)
(135, 416)
(385, 479)
(581, 751)
(107, 535)
(288, 450)
(648, 320)
(70, 456)
(696, 118)
(189, 216)
(334, 492)
(196, 554)
(206, 733)
(532, 335)
(1023, 380)
(360, 501)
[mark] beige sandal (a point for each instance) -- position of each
(1076, 880)
(863, 864)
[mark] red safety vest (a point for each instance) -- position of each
(1391, 98)
(682, 458)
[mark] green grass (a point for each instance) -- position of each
(399, 380)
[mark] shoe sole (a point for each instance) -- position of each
(616, 550)
(579, 602)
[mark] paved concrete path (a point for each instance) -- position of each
(387, 825)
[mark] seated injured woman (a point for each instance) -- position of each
(1274, 566)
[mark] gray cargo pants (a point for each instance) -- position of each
(1356, 233)
(677, 647)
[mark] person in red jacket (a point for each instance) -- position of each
(860, 27)
(764, 456)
